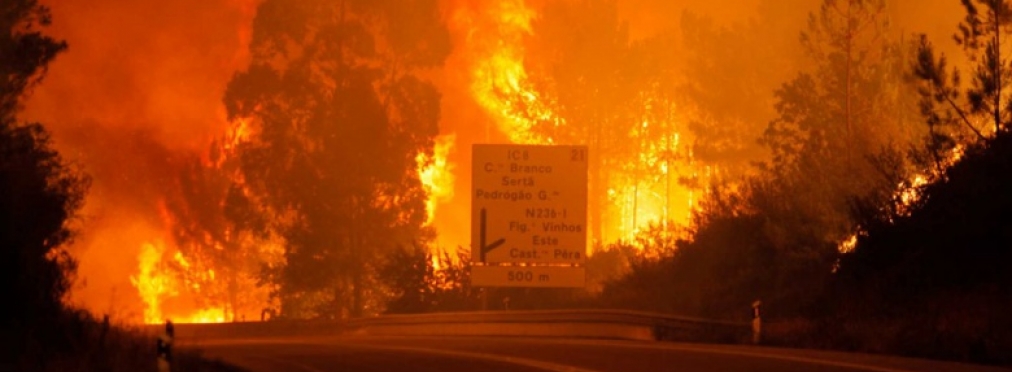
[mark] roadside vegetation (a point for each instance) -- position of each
(41, 195)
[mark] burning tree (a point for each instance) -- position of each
(938, 270)
(220, 238)
(572, 75)
(834, 121)
(338, 117)
(776, 233)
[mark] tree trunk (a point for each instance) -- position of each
(998, 71)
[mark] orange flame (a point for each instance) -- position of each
(436, 175)
(156, 285)
(150, 282)
(499, 83)
(495, 33)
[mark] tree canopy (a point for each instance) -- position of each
(339, 114)
(40, 193)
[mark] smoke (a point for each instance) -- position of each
(138, 91)
(479, 31)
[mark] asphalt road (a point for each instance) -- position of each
(492, 354)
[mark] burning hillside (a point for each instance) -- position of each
(230, 157)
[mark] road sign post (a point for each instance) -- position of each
(528, 215)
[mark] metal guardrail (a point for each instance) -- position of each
(547, 323)
(662, 326)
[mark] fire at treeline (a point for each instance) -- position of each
(307, 159)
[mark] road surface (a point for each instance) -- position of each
(491, 354)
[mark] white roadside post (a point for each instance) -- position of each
(164, 348)
(756, 322)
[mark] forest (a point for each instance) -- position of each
(851, 174)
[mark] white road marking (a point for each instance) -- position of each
(547, 366)
(801, 359)
(714, 350)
